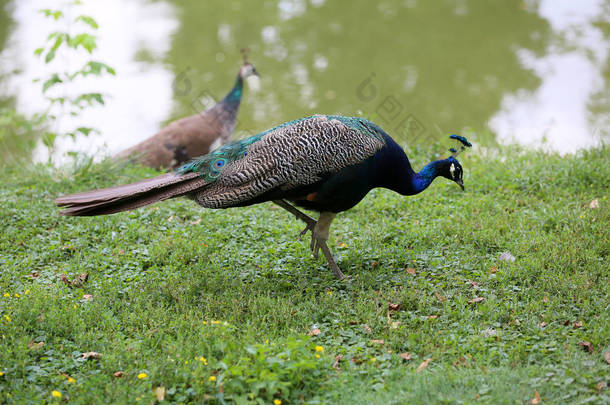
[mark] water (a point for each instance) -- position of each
(533, 72)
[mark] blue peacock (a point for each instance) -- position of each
(323, 163)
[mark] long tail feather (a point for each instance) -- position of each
(130, 196)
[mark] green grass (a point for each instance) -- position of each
(174, 283)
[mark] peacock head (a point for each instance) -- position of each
(452, 169)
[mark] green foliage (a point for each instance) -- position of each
(19, 135)
(160, 276)
(67, 42)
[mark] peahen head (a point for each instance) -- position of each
(247, 70)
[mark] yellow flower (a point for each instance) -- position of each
(329, 292)
(373, 360)
(17, 295)
(186, 362)
(215, 322)
(203, 360)
(277, 402)
(142, 376)
(205, 322)
(343, 245)
(319, 349)
(7, 295)
(71, 380)
(8, 318)
(212, 378)
(266, 341)
(27, 292)
(317, 356)
(56, 394)
(1, 373)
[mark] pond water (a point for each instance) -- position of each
(533, 72)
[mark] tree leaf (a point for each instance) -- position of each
(49, 57)
(52, 81)
(87, 20)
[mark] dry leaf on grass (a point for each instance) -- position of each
(587, 346)
(395, 324)
(493, 270)
(439, 297)
(423, 365)
(476, 300)
(473, 283)
(600, 385)
(594, 204)
(542, 324)
(411, 271)
(91, 355)
(338, 359)
(431, 316)
(78, 282)
(536, 399)
(367, 328)
(159, 393)
(118, 374)
(35, 345)
(577, 325)
(607, 357)
(378, 341)
(87, 297)
(314, 332)
(393, 307)
(405, 356)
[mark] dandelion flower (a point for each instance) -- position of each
(373, 360)
(212, 378)
(27, 292)
(56, 394)
(277, 402)
(215, 322)
(1, 373)
(343, 245)
(71, 380)
(205, 322)
(8, 318)
(203, 360)
(142, 376)
(317, 356)
(319, 349)
(17, 295)
(7, 295)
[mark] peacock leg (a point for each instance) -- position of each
(320, 234)
(311, 223)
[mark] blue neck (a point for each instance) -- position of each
(234, 96)
(420, 181)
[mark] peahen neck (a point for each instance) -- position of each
(234, 96)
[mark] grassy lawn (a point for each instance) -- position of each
(194, 305)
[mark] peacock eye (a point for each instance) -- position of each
(245, 153)
(219, 163)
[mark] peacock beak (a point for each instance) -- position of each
(460, 183)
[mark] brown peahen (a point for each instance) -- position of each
(192, 136)
(322, 163)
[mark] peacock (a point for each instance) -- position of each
(195, 135)
(323, 163)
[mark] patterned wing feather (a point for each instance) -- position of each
(294, 154)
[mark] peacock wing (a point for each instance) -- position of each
(292, 155)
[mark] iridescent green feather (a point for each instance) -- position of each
(210, 165)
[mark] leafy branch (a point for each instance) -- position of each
(67, 43)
